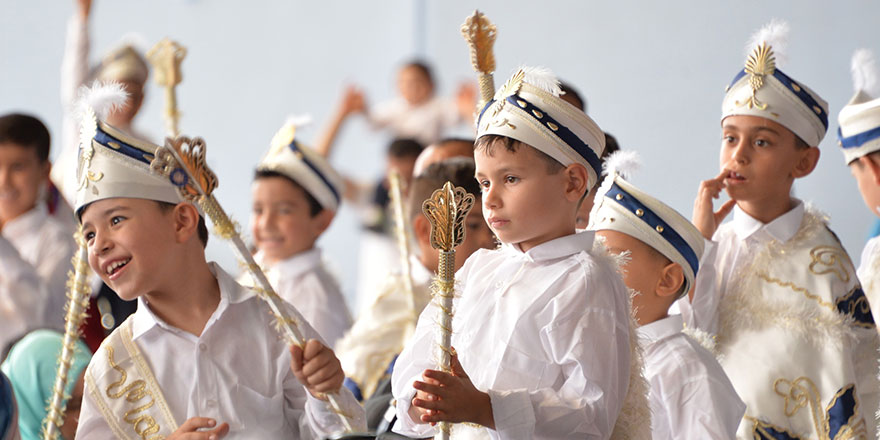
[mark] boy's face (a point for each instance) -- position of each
(867, 174)
(414, 86)
(22, 174)
(642, 273)
(281, 222)
(761, 158)
(129, 243)
(523, 203)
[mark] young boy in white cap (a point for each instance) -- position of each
(859, 138)
(200, 357)
(541, 326)
(296, 194)
(690, 397)
(795, 333)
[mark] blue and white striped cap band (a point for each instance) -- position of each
(117, 165)
(308, 169)
(782, 100)
(859, 131)
(544, 121)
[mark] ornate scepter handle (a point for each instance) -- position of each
(78, 292)
(480, 35)
(182, 160)
(166, 57)
(446, 210)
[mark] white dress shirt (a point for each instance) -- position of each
(237, 371)
(869, 274)
(303, 281)
(691, 397)
(35, 254)
(544, 332)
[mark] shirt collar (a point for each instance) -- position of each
(557, 248)
(27, 223)
(230, 293)
(296, 265)
(782, 228)
(657, 330)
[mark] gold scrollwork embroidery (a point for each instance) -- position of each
(830, 259)
(144, 425)
(764, 276)
(802, 392)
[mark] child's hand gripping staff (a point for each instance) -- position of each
(446, 210)
(182, 160)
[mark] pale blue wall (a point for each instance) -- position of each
(654, 74)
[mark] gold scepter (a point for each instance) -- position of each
(401, 229)
(182, 160)
(480, 35)
(166, 57)
(446, 210)
(78, 292)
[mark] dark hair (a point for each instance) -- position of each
(404, 147)
(611, 146)
(488, 143)
(458, 170)
(315, 207)
(423, 67)
(454, 140)
(25, 131)
(569, 91)
(202, 227)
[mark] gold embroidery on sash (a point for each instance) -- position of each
(802, 392)
(830, 259)
(144, 425)
(764, 276)
(861, 305)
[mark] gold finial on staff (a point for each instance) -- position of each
(446, 210)
(401, 229)
(480, 34)
(78, 292)
(166, 57)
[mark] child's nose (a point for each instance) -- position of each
(740, 152)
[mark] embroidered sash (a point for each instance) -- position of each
(125, 390)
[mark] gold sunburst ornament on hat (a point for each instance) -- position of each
(761, 62)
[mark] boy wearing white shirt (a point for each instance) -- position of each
(795, 332)
(296, 194)
(541, 325)
(35, 247)
(859, 138)
(690, 397)
(200, 357)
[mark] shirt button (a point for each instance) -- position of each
(203, 347)
(211, 403)
(499, 284)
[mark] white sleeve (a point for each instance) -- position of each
(703, 408)
(54, 268)
(23, 295)
(702, 312)
(593, 350)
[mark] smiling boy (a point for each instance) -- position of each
(541, 325)
(35, 247)
(794, 330)
(296, 194)
(200, 352)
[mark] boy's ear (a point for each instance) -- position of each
(868, 161)
(577, 177)
(422, 230)
(323, 219)
(670, 281)
(186, 221)
(807, 163)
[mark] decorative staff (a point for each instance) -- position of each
(480, 35)
(78, 292)
(183, 161)
(446, 210)
(166, 57)
(401, 226)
